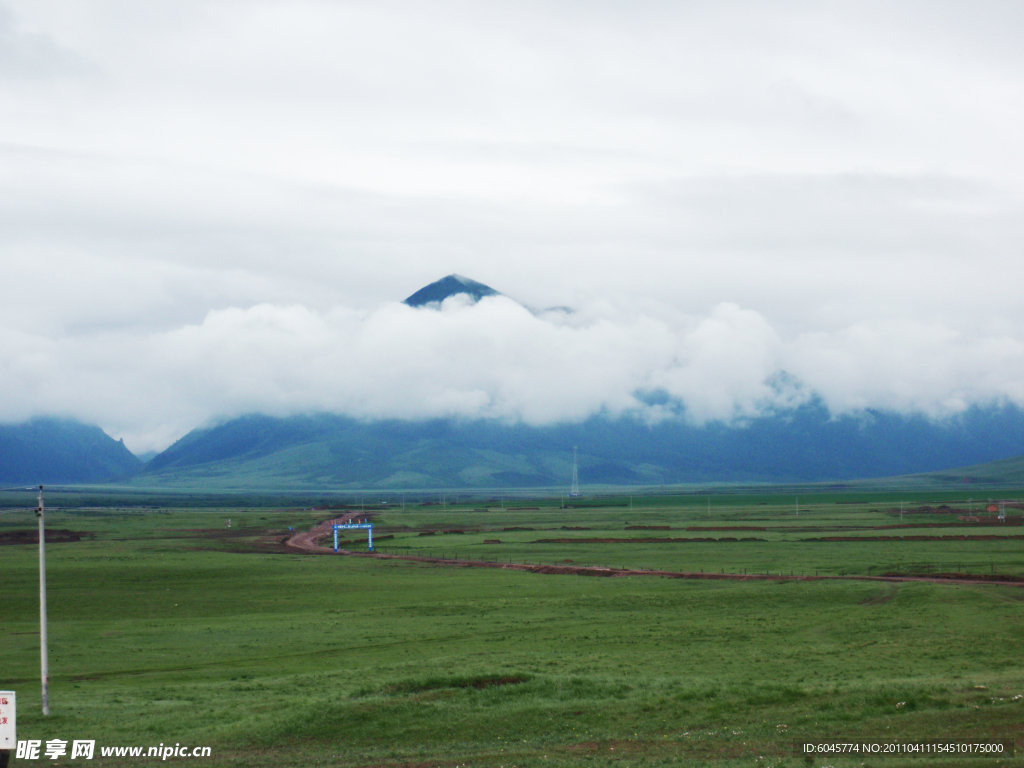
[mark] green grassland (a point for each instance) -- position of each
(999, 471)
(167, 627)
(765, 537)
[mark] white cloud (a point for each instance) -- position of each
(493, 359)
(208, 208)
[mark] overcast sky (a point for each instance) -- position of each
(212, 208)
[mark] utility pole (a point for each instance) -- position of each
(575, 490)
(44, 661)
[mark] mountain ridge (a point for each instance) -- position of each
(804, 444)
(52, 450)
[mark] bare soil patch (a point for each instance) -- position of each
(997, 578)
(954, 537)
(53, 536)
(651, 540)
(213, 533)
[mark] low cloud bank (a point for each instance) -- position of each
(494, 359)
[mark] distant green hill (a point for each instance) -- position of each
(805, 444)
(1006, 472)
(326, 451)
(47, 450)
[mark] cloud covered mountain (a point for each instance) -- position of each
(446, 287)
(460, 386)
(493, 358)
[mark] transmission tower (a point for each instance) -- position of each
(575, 476)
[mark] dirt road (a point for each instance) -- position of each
(306, 542)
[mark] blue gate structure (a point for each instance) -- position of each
(367, 526)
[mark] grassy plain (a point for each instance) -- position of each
(167, 628)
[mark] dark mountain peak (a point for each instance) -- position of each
(449, 286)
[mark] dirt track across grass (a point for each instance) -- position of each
(306, 542)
